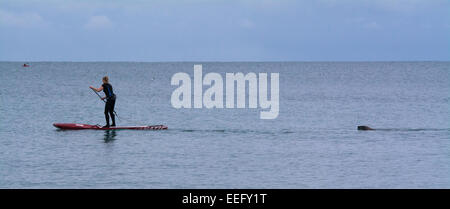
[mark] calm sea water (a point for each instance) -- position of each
(312, 144)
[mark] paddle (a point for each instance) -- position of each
(103, 100)
(115, 111)
(98, 95)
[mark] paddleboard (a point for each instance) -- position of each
(79, 126)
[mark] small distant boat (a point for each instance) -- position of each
(77, 126)
(26, 65)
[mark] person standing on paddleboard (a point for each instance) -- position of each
(110, 100)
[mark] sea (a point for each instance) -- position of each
(313, 143)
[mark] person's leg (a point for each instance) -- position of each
(111, 112)
(106, 114)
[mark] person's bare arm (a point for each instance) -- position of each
(97, 89)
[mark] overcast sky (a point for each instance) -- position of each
(224, 30)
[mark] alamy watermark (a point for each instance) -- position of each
(213, 96)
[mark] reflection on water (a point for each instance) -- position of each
(109, 136)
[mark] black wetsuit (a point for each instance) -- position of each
(110, 102)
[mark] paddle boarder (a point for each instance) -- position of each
(110, 100)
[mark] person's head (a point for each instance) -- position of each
(105, 79)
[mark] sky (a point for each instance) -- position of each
(224, 30)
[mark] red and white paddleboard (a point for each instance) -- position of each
(78, 126)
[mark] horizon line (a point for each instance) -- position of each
(22, 61)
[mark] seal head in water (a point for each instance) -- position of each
(365, 128)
